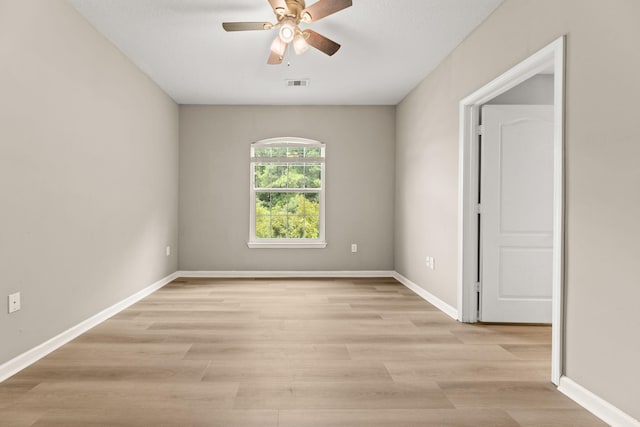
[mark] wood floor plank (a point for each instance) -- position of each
(468, 370)
(308, 371)
(127, 396)
(396, 418)
(428, 351)
(13, 388)
(20, 418)
(120, 351)
(198, 416)
(339, 395)
(267, 350)
(492, 336)
(505, 394)
(529, 351)
(108, 370)
(555, 418)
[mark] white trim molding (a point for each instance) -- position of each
(595, 404)
(29, 357)
(288, 245)
(283, 274)
(551, 56)
(427, 296)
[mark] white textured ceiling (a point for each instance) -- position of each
(388, 47)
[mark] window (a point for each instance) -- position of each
(287, 194)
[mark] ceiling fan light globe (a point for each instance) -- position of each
(300, 45)
(278, 47)
(287, 32)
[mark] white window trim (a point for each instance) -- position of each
(255, 243)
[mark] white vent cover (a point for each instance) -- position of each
(298, 83)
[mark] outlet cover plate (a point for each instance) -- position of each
(14, 302)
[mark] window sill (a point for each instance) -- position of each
(287, 245)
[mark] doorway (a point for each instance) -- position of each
(548, 59)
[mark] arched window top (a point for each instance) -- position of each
(287, 149)
(288, 141)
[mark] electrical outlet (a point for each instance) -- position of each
(168, 250)
(430, 263)
(14, 302)
(354, 248)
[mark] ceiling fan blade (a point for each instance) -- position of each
(278, 5)
(275, 58)
(320, 42)
(323, 8)
(246, 26)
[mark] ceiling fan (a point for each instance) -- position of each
(289, 15)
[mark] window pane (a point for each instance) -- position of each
(279, 227)
(296, 204)
(312, 152)
(312, 204)
(263, 204)
(279, 152)
(262, 177)
(312, 227)
(280, 203)
(263, 152)
(313, 175)
(296, 227)
(279, 176)
(263, 230)
(295, 152)
(296, 176)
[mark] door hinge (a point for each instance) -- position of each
(477, 287)
(477, 209)
(480, 130)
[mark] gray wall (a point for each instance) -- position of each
(602, 174)
(214, 186)
(88, 173)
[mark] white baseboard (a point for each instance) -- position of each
(29, 357)
(283, 274)
(428, 296)
(596, 405)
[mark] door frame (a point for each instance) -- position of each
(551, 56)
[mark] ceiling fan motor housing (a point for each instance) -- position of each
(295, 8)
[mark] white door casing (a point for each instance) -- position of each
(517, 213)
(550, 57)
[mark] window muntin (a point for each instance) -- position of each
(287, 193)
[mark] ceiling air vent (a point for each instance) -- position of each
(298, 83)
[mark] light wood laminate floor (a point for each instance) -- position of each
(294, 353)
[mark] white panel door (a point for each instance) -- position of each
(516, 225)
